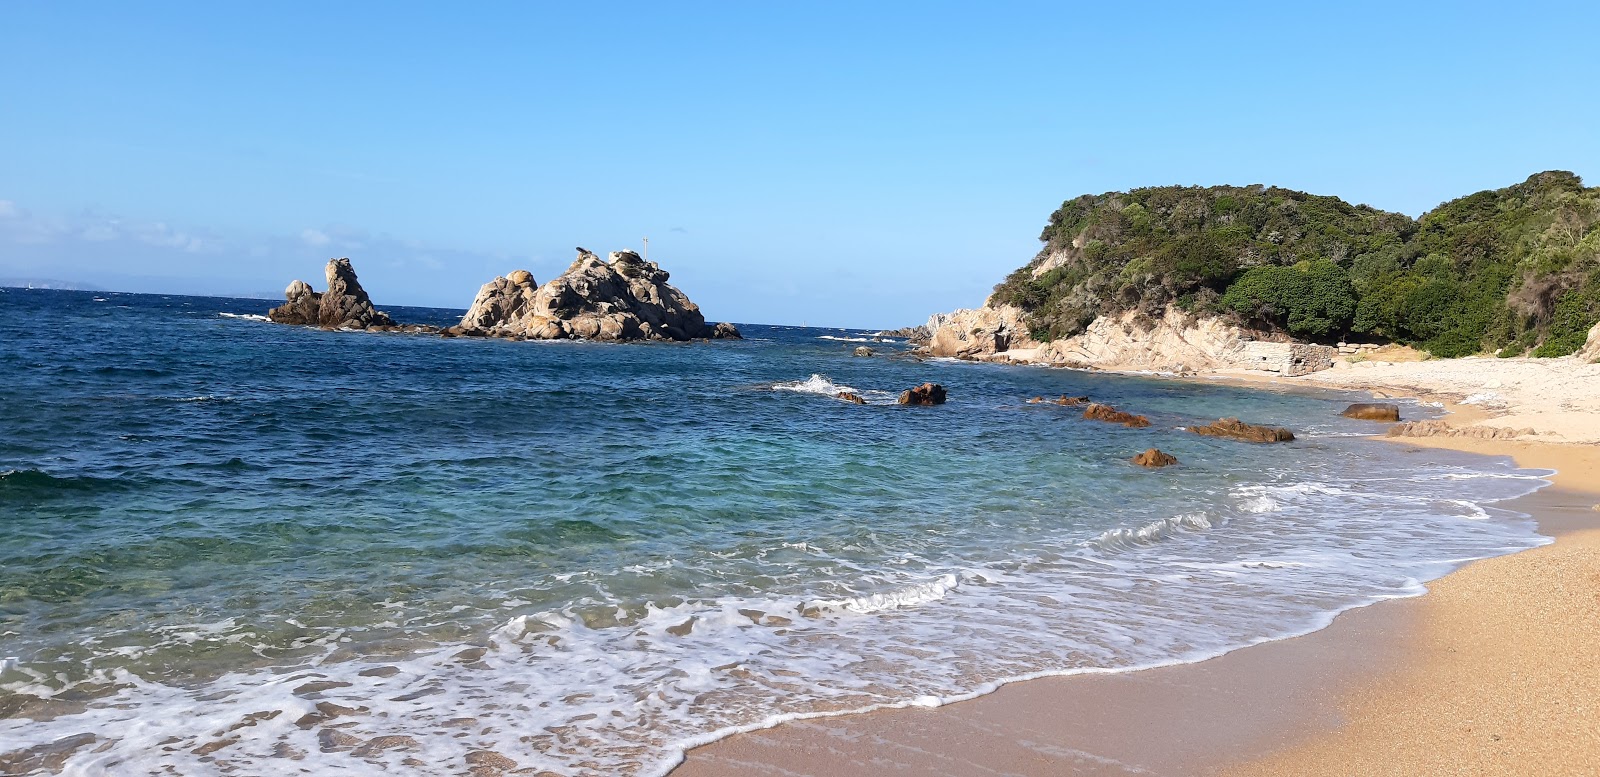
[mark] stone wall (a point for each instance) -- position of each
(1285, 358)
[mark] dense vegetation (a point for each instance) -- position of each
(1513, 271)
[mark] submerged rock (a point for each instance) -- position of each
(1155, 458)
(1234, 429)
(863, 351)
(1109, 414)
(850, 397)
(344, 305)
(925, 394)
(1372, 411)
(625, 298)
(1066, 401)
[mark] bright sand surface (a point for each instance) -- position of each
(1495, 671)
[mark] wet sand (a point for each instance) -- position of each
(1495, 671)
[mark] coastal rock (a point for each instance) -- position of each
(1233, 428)
(916, 335)
(1098, 412)
(1066, 401)
(1591, 346)
(977, 333)
(345, 304)
(505, 299)
(623, 298)
(850, 397)
(302, 306)
(1155, 458)
(1372, 411)
(925, 394)
(863, 351)
(1442, 429)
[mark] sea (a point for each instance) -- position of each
(234, 547)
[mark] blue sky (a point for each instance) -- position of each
(850, 164)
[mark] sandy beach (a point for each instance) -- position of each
(1495, 670)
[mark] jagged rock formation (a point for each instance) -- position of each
(500, 302)
(1442, 429)
(344, 305)
(1098, 412)
(1234, 429)
(851, 397)
(925, 394)
(625, 298)
(1372, 411)
(1154, 457)
(977, 333)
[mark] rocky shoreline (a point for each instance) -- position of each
(624, 298)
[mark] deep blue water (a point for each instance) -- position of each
(581, 556)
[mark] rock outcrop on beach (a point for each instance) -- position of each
(1175, 342)
(1442, 429)
(1098, 412)
(344, 305)
(1234, 429)
(1591, 347)
(976, 333)
(623, 298)
(1373, 411)
(1154, 457)
(925, 394)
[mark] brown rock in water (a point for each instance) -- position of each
(1234, 429)
(850, 397)
(862, 350)
(345, 304)
(1098, 412)
(925, 394)
(1066, 401)
(1155, 458)
(1036, 401)
(1442, 429)
(302, 307)
(1372, 411)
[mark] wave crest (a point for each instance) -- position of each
(1150, 533)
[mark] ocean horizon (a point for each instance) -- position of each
(232, 546)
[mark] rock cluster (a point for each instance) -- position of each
(925, 394)
(1372, 411)
(1155, 458)
(344, 305)
(1234, 429)
(1098, 412)
(851, 397)
(623, 298)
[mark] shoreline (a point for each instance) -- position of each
(1306, 704)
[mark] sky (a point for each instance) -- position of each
(831, 164)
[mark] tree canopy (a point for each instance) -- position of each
(1513, 270)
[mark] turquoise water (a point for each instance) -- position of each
(228, 546)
